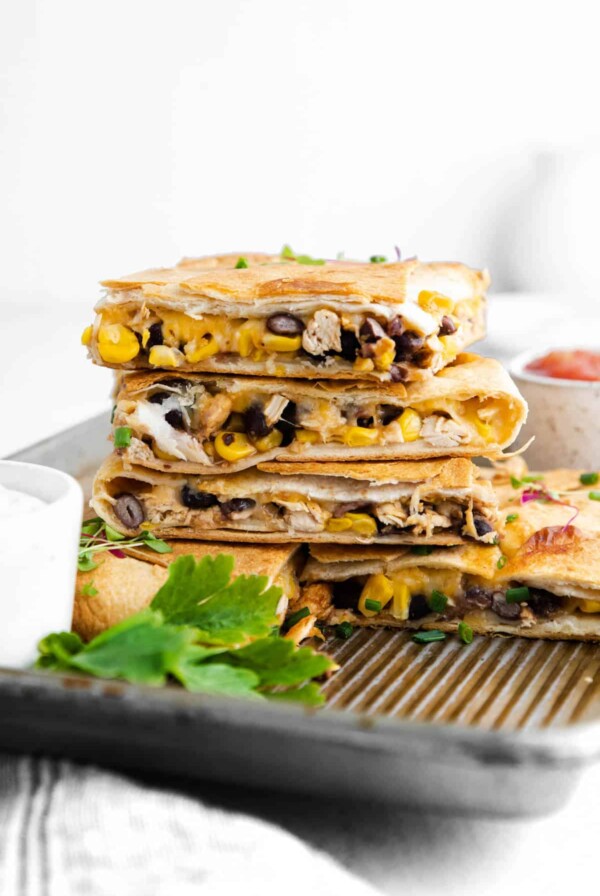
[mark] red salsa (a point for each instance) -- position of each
(576, 364)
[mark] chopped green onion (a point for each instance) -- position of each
(343, 630)
(516, 483)
(374, 605)
(89, 590)
(423, 550)
(588, 478)
(502, 562)
(517, 595)
(512, 517)
(241, 263)
(297, 616)
(537, 478)
(122, 436)
(594, 496)
(112, 413)
(465, 632)
(438, 601)
(425, 637)
(377, 259)
(112, 534)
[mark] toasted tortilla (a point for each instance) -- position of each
(470, 377)
(127, 585)
(436, 480)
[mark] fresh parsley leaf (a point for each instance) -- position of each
(218, 678)
(189, 583)
(240, 612)
(278, 661)
(309, 694)
(57, 649)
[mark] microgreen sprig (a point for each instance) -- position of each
(97, 536)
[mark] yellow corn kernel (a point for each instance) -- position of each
(210, 449)
(270, 441)
(363, 524)
(274, 343)
(86, 336)
(589, 606)
(145, 337)
(198, 351)
(364, 365)
(236, 423)
(248, 337)
(401, 600)
(484, 429)
(435, 301)
(377, 587)
(233, 446)
(307, 436)
(164, 455)
(338, 524)
(117, 344)
(450, 350)
(385, 359)
(359, 436)
(163, 356)
(410, 424)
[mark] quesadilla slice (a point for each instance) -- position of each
(275, 317)
(438, 501)
(205, 423)
(125, 585)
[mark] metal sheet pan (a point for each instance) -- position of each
(502, 727)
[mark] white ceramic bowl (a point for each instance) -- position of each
(564, 417)
(38, 560)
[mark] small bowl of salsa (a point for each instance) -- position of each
(562, 388)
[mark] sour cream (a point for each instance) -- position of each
(16, 503)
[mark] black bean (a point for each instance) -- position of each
(156, 336)
(476, 597)
(175, 419)
(389, 413)
(286, 424)
(482, 526)
(346, 594)
(398, 374)
(447, 326)
(159, 397)
(237, 505)
(350, 345)
(504, 609)
(543, 603)
(130, 511)
(396, 326)
(197, 500)
(371, 330)
(365, 422)
(285, 325)
(407, 344)
(418, 607)
(256, 423)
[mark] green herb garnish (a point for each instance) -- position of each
(512, 517)
(241, 263)
(438, 601)
(537, 478)
(373, 605)
(112, 413)
(425, 637)
(210, 633)
(594, 496)
(343, 630)
(517, 595)
(516, 483)
(465, 632)
(588, 478)
(293, 618)
(502, 562)
(89, 590)
(122, 437)
(422, 550)
(289, 255)
(97, 536)
(377, 259)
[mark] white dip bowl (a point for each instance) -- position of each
(564, 417)
(40, 522)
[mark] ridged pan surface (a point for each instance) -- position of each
(493, 683)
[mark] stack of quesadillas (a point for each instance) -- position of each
(288, 401)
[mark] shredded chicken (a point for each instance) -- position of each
(323, 333)
(213, 411)
(317, 597)
(428, 520)
(149, 420)
(274, 408)
(301, 630)
(324, 416)
(442, 432)
(392, 515)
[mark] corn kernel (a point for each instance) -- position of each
(163, 356)
(198, 351)
(359, 436)
(434, 301)
(307, 436)
(589, 606)
(233, 446)
(164, 455)
(210, 449)
(363, 524)
(338, 524)
(117, 344)
(364, 365)
(86, 336)
(410, 424)
(145, 337)
(450, 348)
(377, 587)
(270, 441)
(274, 343)
(484, 429)
(248, 337)
(385, 359)
(401, 600)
